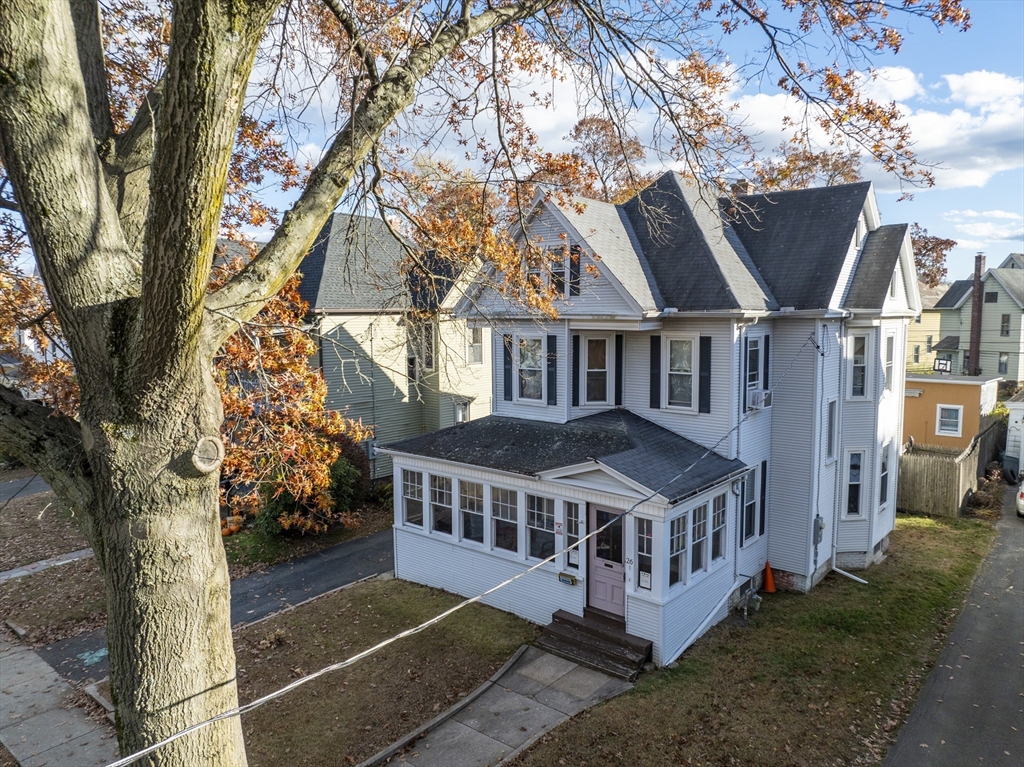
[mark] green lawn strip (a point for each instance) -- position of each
(824, 678)
(347, 716)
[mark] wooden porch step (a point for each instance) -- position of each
(604, 628)
(579, 654)
(596, 643)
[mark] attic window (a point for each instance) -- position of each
(992, 298)
(892, 287)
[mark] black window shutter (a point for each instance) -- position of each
(552, 370)
(507, 346)
(619, 360)
(764, 495)
(704, 395)
(743, 381)
(655, 371)
(575, 256)
(575, 371)
(766, 378)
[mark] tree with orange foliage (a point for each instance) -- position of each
(930, 255)
(613, 155)
(118, 125)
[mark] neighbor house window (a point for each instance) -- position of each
(680, 372)
(475, 346)
(853, 480)
(676, 550)
(1004, 325)
(859, 366)
(890, 348)
(992, 298)
(557, 263)
(883, 477)
(441, 504)
(967, 362)
(917, 354)
(461, 411)
(1004, 363)
(928, 344)
(471, 508)
(644, 549)
(718, 527)
(505, 513)
(411, 368)
(949, 420)
(830, 434)
(412, 497)
(531, 369)
(573, 533)
(540, 526)
(597, 370)
(749, 507)
(699, 546)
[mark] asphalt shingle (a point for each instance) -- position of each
(952, 296)
(875, 268)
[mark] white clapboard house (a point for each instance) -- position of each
(725, 393)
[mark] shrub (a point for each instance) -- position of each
(346, 485)
(355, 455)
(383, 494)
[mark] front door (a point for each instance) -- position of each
(607, 574)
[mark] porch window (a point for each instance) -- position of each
(471, 507)
(883, 479)
(441, 504)
(531, 369)
(890, 347)
(698, 548)
(1004, 325)
(676, 550)
(718, 527)
(540, 526)
(859, 366)
(475, 346)
(412, 497)
(853, 482)
(597, 371)
(749, 507)
(948, 420)
(573, 533)
(644, 550)
(680, 372)
(505, 512)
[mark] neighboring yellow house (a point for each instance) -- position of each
(923, 333)
(947, 410)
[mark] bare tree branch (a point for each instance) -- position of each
(355, 38)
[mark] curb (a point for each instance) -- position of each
(44, 564)
(382, 756)
(93, 691)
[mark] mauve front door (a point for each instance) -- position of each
(607, 574)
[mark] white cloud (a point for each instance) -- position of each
(993, 225)
(956, 215)
(893, 84)
(987, 91)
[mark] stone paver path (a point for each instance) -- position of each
(34, 725)
(532, 697)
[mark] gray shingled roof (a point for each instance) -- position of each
(354, 265)
(695, 259)
(931, 295)
(952, 296)
(633, 446)
(799, 239)
(875, 267)
(947, 344)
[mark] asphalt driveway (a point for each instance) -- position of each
(971, 708)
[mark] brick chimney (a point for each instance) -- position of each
(977, 299)
(741, 187)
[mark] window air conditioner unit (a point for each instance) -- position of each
(758, 399)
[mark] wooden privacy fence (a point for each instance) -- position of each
(938, 481)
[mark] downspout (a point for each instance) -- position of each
(373, 406)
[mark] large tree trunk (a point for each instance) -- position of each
(157, 529)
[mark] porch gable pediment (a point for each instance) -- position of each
(593, 475)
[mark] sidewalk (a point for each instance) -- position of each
(971, 708)
(531, 695)
(34, 725)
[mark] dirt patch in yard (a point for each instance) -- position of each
(56, 603)
(825, 678)
(345, 717)
(36, 527)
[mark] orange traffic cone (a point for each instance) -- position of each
(769, 581)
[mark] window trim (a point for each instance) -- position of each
(861, 483)
(609, 369)
(831, 429)
(547, 511)
(464, 509)
(683, 521)
(851, 338)
(889, 363)
(517, 340)
(493, 519)
(959, 422)
(699, 524)
(722, 528)
(437, 497)
(694, 373)
(408, 484)
(1004, 325)
(644, 529)
(470, 345)
(885, 476)
(749, 480)
(574, 538)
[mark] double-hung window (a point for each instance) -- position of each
(949, 420)
(677, 550)
(883, 477)
(597, 377)
(644, 551)
(858, 366)
(680, 388)
(749, 498)
(573, 533)
(928, 344)
(471, 508)
(757, 364)
(890, 350)
(718, 527)
(441, 504)
(699, 541)
(530, 372)
(540, 526)
(917, 354)
(556, 259)
(1004, 325)
(475, 346)
(505, 514)
(412, 497)
(853, 483)
(1004, 363)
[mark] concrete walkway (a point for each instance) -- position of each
(529, 697)
(35, 725)
(971, 708)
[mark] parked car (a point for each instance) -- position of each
(1020, 497)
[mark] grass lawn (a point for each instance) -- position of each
(35, 527)
(825, 678)
(347, 716)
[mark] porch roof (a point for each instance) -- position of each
(947, 344)
(636, 448)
